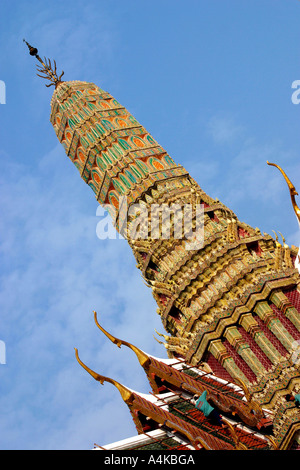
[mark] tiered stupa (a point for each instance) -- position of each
(227, 294)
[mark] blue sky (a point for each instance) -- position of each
(211, 81)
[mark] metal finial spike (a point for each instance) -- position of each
(32, 50)
(46, 69)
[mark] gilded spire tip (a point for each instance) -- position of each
(32, 50)
(48, 71)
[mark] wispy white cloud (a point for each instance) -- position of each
(56, 273)
(224, 129)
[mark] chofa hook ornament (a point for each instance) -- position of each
(292, 189)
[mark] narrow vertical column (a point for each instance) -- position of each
(282, 302)
(243, 349)
(278, 256)
(265, 312)
(219, 351)
(251, 326)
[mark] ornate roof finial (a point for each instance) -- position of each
(292, 189)
(49, 73)
(142, 357)
(276, 236)
(125, 392)
(252, 403)
(283, 239)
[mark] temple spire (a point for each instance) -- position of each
(49, 72)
